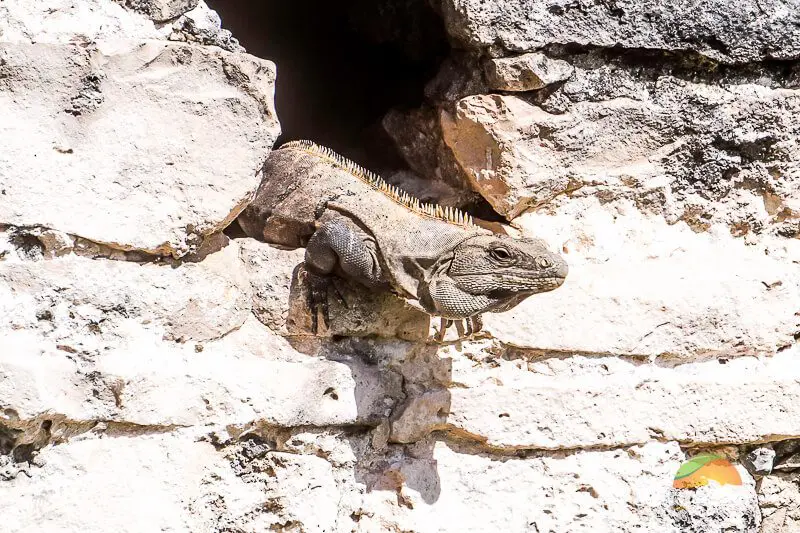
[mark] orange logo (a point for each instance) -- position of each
(700, 469)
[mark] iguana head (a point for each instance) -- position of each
(498, 265)
(491, 273)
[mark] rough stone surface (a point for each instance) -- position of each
(640, 286)
(137, 124)
(157, 375)
(203, 26)
(694, 152)
(779, 497)
(60, 21)
(751, 30)
(527, 72)
(760, 461)
(161, 10)
(618, 404)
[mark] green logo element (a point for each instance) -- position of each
(700, 469)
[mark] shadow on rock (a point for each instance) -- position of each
(401, 397)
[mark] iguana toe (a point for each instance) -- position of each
(476, 324)
(317, 299)
(443, 325)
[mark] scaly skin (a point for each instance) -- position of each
(355, 226)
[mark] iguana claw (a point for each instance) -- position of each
(467, 328)
(317, 298)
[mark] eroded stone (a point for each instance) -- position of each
(125, 138)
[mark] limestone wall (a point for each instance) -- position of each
(157, 375)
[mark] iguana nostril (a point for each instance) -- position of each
(563, 270)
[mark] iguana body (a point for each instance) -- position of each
(356, 226)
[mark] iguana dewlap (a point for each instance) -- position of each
(356, 226)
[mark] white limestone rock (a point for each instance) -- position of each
(779, 497)
(146, 146)
(639, 286)
(63, 21)
(127, 482)
(158, 345)
(524, 405)
(616, 490)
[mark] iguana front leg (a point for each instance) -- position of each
(338, 246)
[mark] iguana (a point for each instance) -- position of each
(355, 225)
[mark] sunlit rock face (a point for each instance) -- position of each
(159, 374)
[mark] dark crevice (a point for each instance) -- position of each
(342, 65)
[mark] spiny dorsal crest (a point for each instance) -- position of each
(447, 214)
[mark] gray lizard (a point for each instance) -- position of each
(355, 225)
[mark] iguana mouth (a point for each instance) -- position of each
(523, 283)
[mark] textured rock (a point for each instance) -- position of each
(716, 509)
(60, 21)
(161, 10)
(202, 25)
(621, 405)
(779, 496)
(582, 491)
(138, 341)
(527, 72)
(120, 477)
(149, 362)
(760, 461)
(693, 152)
(137, 124)
(752, 30)
(270, 271)
(639, 286)
(487, 135)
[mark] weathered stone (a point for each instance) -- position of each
(180, 482)
(751, 30)
(418, 136)
(421, 414)
(639, 286)
(270, 272)
(118, 341)
(202, 25)
(526, 72)
(760, 461)
(196, 302)
(616, 490)
(509, 409)
(61, 21)
(145, 117)
(488, 137)
(779, 497)
(689, 151)
(160, 10)
(716, 509)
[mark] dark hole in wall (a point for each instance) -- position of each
(342, 65)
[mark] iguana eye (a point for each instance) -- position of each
(501, 254)
(543, 262)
